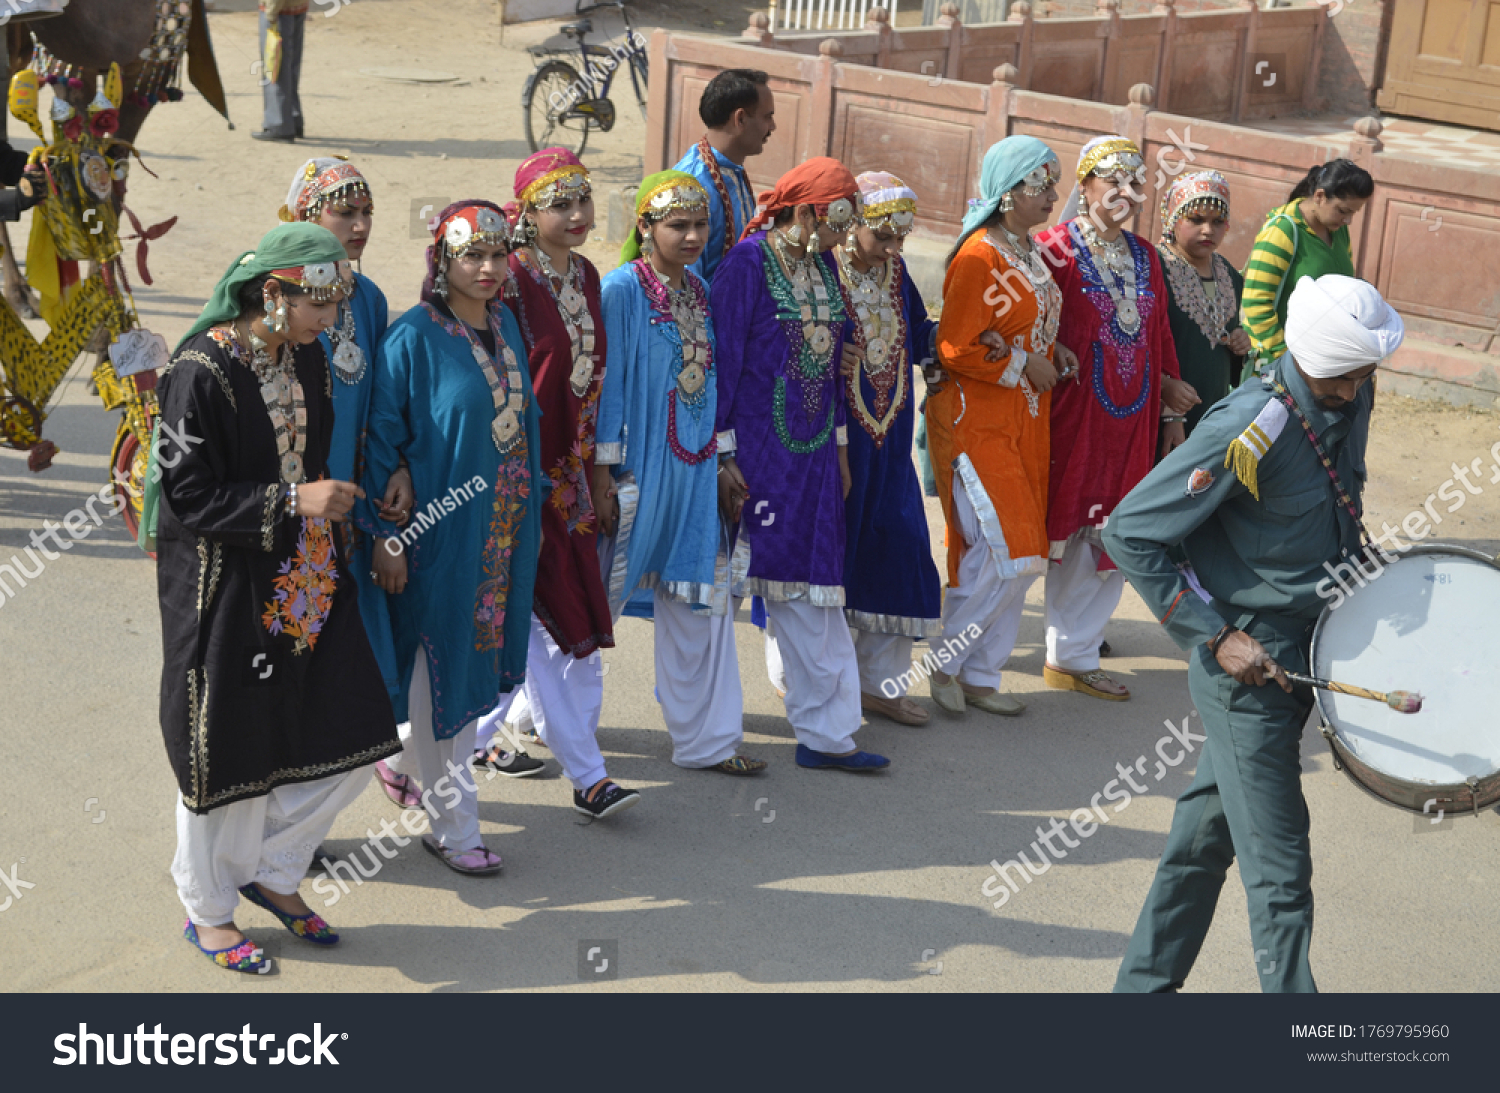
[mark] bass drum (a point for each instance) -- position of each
(1424, 624)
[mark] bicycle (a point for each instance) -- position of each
(566, 106)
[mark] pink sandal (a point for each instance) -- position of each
(478, 861)
(398, 787)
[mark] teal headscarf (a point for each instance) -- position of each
(283, 247)
(1005, 165)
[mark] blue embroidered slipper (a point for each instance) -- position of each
(308, 927)
(244, 957)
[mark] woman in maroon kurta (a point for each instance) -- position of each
(556, 301)
(1104, 423)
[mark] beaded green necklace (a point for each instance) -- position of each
(812, 318)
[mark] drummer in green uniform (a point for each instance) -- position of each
(1263, 493)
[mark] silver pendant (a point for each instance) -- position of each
(1130, 317)
(348, 358)
(878, 354)
(690, 380)
(582, 375)
(572, 300)
(506, 430)
(291, 467)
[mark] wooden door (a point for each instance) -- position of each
(1443, 62)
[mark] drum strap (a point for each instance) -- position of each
(1312, 437)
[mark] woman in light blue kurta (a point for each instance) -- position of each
(333, 194)
(655, 455)
(452, 397)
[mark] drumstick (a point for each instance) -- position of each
(1400, 701)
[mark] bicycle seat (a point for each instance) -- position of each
(578, 29)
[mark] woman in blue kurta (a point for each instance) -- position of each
(891, 591)
(333, 194)
(662, 551)
(781, 321)
(453, 397)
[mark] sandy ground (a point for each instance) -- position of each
(797, 880)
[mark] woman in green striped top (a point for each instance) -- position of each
(1307, 237)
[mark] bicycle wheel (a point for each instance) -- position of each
(547, 104)
(640, 81)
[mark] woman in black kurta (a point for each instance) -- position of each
(272, 705)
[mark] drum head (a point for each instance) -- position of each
(1422, 625)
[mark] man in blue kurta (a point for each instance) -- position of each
(1264, 496)
(655, 450)
(739, 110)
(781, 322)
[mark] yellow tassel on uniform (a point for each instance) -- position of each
(1249, 448)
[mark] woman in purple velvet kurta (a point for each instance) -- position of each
(781, 323)
(793, 522)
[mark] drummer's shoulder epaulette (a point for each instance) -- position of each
(1249, 448)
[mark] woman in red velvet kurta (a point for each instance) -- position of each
(1104, 425)
(557, 304)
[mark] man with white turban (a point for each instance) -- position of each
(1262, 518)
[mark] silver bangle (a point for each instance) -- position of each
(291, 500)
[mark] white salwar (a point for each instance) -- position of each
(505, 723)
(440, 768)
(565, 696)
(698, 682)
(268, 840)
(822, 674)
(1080, 600)
(983, 599)
(884, 662)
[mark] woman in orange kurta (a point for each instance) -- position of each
(987, 425)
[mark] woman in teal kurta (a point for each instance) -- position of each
(333, 194)
(453, 397)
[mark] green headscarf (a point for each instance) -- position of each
(657, 185)
(283, 247)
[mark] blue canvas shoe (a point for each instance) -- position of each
(860, 761)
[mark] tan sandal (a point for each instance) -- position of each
(903, 711)
(1095, 683)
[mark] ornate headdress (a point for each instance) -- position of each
(889, 203)
(659, 196)
(822, 182)
(1014, 161)
(1190, 192)
(322, 281)
(327, 180)
(1110, 157)
(456, 229)
(552, 176)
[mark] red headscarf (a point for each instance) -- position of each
(543, 168)
(819, 182)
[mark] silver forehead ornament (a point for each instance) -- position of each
(458, 233)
